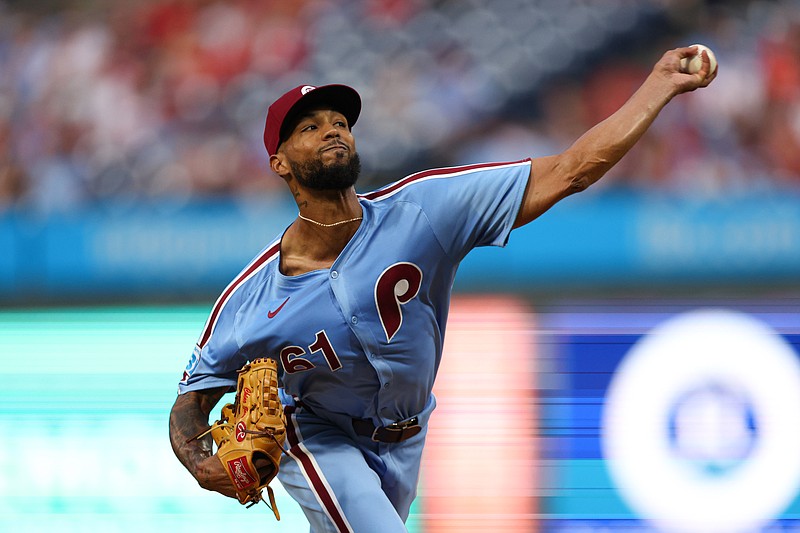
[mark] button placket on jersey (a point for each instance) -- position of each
(380, 366)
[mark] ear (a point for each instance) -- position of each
(279, 165)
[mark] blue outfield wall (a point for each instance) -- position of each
(148, 251)
(589, 240)
(636, 241)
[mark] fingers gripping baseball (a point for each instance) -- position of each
(688, 68)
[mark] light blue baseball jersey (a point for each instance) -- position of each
(363, 338)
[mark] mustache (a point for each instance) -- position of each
(335, 144)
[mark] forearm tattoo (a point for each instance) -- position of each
(189, 418)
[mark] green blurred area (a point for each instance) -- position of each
(86, 402)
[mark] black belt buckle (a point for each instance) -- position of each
(397, 431)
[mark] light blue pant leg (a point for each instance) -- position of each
(329, 477)
(402, 464)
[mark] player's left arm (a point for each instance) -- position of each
(189, 418)
(596, 151)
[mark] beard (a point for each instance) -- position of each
(336, 176)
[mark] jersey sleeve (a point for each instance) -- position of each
(469, 206)
(216, 357)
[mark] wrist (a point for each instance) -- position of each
(193, 454)
(658, 90)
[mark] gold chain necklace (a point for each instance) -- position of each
(332, 224)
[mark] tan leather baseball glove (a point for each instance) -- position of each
(251, 432)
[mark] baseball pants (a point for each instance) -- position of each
(346, 482)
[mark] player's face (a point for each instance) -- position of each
(321, 151)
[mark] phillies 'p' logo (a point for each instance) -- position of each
(241, 431)
(396, 286)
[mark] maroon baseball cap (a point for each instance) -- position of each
(342, 98)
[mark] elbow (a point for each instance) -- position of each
(578, 184)
(587, 175)
(579, 171)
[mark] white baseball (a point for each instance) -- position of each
(693, 64)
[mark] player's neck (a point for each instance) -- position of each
(325, 208)
(327, 220)
(308, 246)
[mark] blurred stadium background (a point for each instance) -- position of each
(134, 185)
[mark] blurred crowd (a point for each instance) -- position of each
(123, 101)
(739, 136)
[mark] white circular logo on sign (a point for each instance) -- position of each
(306, 89)
(701, 426)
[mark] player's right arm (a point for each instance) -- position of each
(187, 419)
(595, 152)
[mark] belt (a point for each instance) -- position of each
(396, 432)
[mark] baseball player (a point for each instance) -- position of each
(352, 298)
